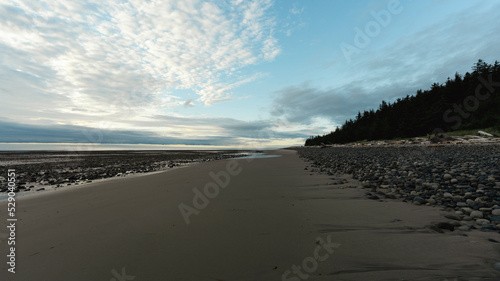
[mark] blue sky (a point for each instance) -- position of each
(237, 74)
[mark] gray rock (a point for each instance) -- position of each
(445, 225)
(419, 199)
(489, 228)
(447, 177)
(496, 212)
(467, 210)
(482, 221)
(452, 217)
(476, 214)
(464, 228)
(462, 204)
(391, 196)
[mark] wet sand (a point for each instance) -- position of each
(265, 222)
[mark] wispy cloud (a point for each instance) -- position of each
(172, 71)
(89, 55)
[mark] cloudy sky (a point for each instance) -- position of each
(234, 74)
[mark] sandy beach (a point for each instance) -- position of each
(257, 219)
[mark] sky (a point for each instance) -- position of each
(222, 74)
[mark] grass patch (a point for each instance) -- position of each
(462, 133)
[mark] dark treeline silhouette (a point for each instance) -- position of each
(463, 102)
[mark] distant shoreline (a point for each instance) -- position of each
(39, 171)
(85, 147)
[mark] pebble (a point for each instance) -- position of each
(419, 200)
(452, 217)
(482, 221)
(391, 196)
(459, 177)
(86, 166)
(488, 228)
(464, 228)
(476, 214)
(467, 210)
(431, 201)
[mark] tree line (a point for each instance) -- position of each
(462, 102)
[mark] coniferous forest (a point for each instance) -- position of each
(471, 101)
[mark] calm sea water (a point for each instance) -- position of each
(257, 155)
(96, 147)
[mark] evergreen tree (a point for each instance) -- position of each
(425, 111)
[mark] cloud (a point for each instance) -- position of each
(302, 104)
(413, 61)
(226, 127)
(295, 9)
(437, 50)
(189, 103)
(160, 130)
(99, 55)
(293, 21)
(24, 133)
